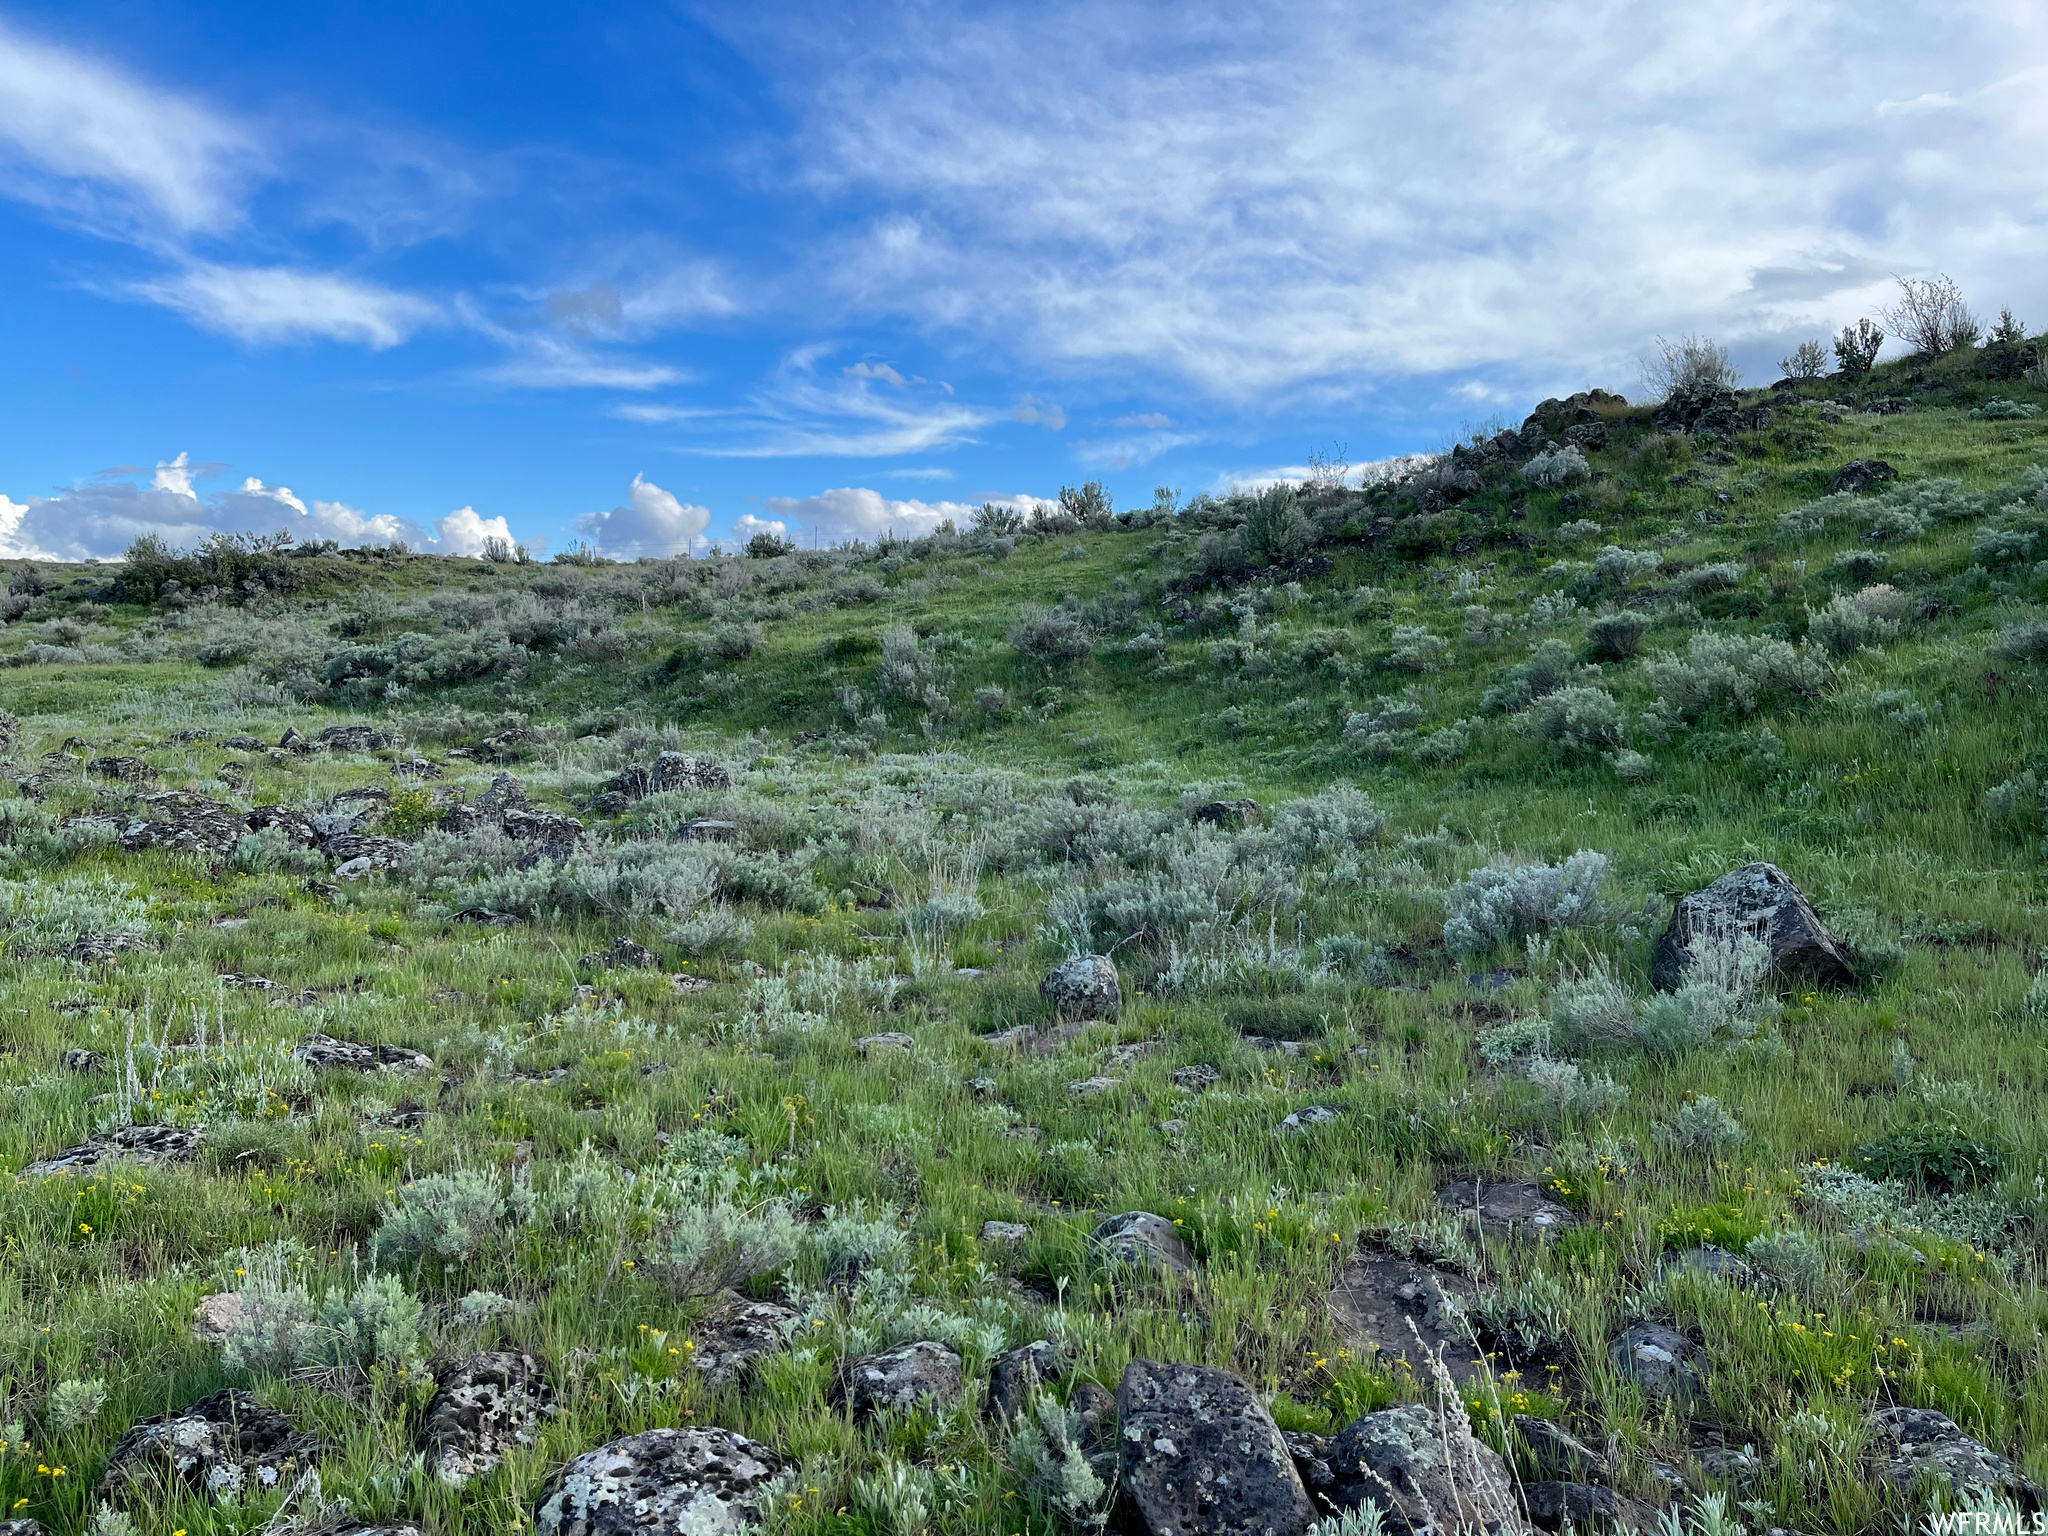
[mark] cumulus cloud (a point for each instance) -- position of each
(465, 532)
(651, 522)
(851, 512)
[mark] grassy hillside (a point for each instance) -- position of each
(1494, 727)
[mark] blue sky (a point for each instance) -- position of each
(648, 274)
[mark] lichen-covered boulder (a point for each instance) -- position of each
(1930, 1447)
(1660, 1360)
(326, 1053)
(661, 1482)
(898, 1380)
(1416, 1467)
(1391, 1308)
(223, 1446)
(1201, 1456)
(1761, 900)
(1012, 1377)
(1143, 1241)
(486, 1405)
(1085, 987)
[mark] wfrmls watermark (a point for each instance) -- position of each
(1988, 1522)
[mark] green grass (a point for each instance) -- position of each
(1883, 823)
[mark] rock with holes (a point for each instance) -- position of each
(1924, 1448)
(1143, 1241)
(1201, 1456)
(733, 1341)
(1660, 1360)
(1014, 1376)
(1394, 1309)
(661, 1482)
(1860, 475)
(675, 771)
(326, 1053)
(151, 1145)
(1559, 1506)
(1418, 1467)
(1761, 900)
(223, 1447)
(485, 1406)
(1085, 987)
(1560, 1453)
(898, 1380)
(1519, 1211)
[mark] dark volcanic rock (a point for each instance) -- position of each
(1925, 1444)
(1143, 1241)
(486, 1405)
(1407, 1461)
(80, 1060)
(1201, 1456)
(1012, 1377)
(1228, 813)
(663, 1482)
(1560, 1452)
(1860, 475)
(181, 822)
(1085, 987)
(675, 771)
(296, 825)
(148, 1144)
(733, 1341)
(221, 1446)
(1506, 1210)
(1566, 1506)
(1714, 1263)
(1761, 900)
(326, 1052)
(1660, 1360)
(125, 770)
(1393, 1308)
(899, 1379)
(354, 738)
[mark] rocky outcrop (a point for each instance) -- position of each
(1085, 987)
(1861, 475)
(1201, 1456)
(485, 1406)
(733, 1341)
(148, 1144)
(354, 738)
(677, 771)
(1760, 900)
(222, 1446)
(899, 1379)
(1426, 1475)
(1921, 1445)
(699, 1481)
(326, 1053)
(178, 821)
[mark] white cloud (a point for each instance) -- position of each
(283, 304)
(880, 371)
(94, 142)
(1526, 190)
(1033, 411)
(800, 416)
(856, 513)
(176, 478)
(15, 544)
(746, 526)
(1151, 421)
(1129, 452)
(465, 532)
(652, 522)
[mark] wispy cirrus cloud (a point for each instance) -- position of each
(285, 304)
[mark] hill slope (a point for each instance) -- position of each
(734, 983)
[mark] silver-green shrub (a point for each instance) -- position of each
(1495, 904)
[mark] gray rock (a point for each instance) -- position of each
(79, 1060)
(1930, 1445)
(1228, 813)
(1560, 1452)
(1012, 1377)
(623, 955)
(898, 1379)
(1564, 1506)
(22, 1527)
(1731, 1464)
(486, 1405)
(179, 821)
(982, 1087)
(354, 738)
(1143, 1241)
(1303, 1120)
(1311, 1456)
(382, 1528)
(734, 1341)
(884, 1043)
(125, 770)
(1085, 987)
(217, 1316)
(1860, 475)
(1709, 1261)
(1201, 1456)
(1094, 1087)
(1004, 1231)
(1416, 1467)
(148, 1144)
(678, 771)
(1397, 1309)
(326, 1053)
(706, 829)
(1520, 1211)
(357, 853)
(222, 1446)
(1196, 1078)
(632, 783)
(662, 1482)
(295, 824)
(1759, 899)
(1095, 1406)
(1660, 1360)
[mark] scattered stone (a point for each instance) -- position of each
(1094, 1087)
(982, 1087)
(296, 825)
(1143, 1241)
(884, 1043)
(98, 948)
(124, 770)
(624, 955)
(1196, 1078)
(485, 1406)
(734, 1340)
(292, 741)
(1311, 1457)
(1660, 1360)
(705, 829)
(1268, 1043)
(1085, 987)
(1931, 1445)
(486, 917)
(1557, 1450)
(1136, 1050)
(1228, 813)
(1860, 475)
(1302, 1120)
(1738, 1464)
(353, 738)
(222, 1447)
(701, 1481)
(385, 1528)
(1519, 1211)
(240, 744)
(547, 828)
(417, 768)
(1004, 1231)
(1095, 1406)
(1415, 1466)
(1758, 899)
(357, 853)
(1565, 1506)
(1035, 1042)
(1012, 1377)
(898, 1379)
(1176, 1127)
(179, 821)
(1201, 1456)
(79, 1060)
(685, 984)
(217, 1316)
(325, 1053)
(674, 771)
(1708, 1261)
(1390, 1306)
(629, 784)
(150, 1145)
